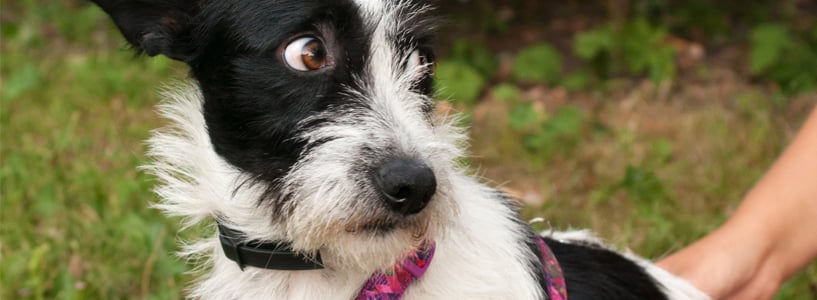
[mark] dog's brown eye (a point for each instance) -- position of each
(421, 59)
(306, 54)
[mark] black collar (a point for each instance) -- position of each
(273, 256)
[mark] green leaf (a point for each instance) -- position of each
(567, 122)
(543, 142)
(768, 42)
(642, 184)
(522, 116)
(506, 92)
(539, 63)
(458, 81)
(661, 64)
(475, 55)
(588, 45)
(643, 50)
(576, 81)
(560, 132)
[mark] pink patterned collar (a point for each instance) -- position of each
(392, 283)
(554, 277)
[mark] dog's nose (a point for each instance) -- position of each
(407, 185)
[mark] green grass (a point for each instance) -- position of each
(76, 107)
(646, 171)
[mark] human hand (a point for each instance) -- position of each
(731, 263)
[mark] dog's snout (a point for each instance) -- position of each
(407, 185)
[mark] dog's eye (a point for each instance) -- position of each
(420, 66)
(420, 58)
(306, 54)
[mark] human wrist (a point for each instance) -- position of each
(755, 238)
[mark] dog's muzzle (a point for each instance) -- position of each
(406, 185)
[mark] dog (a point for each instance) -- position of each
(308, 140)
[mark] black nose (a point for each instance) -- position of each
(406, 184)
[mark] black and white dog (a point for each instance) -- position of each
(309, 137)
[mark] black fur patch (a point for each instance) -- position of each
(254, 104)
(596, 273)
(591, 272)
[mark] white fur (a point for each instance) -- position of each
(198, 185)
(480, 250)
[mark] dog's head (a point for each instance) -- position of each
(325, 109)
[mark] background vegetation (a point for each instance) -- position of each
(646, 120)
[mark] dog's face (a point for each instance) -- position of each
(325, 106)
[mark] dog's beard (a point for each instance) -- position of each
(345, 218)
(359, 233)
(368, 249)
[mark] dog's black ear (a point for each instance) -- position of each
(155, 26)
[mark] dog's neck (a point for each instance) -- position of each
(390, 283)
